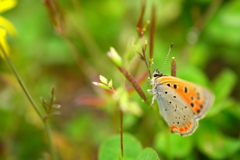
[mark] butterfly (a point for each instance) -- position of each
(181, 103)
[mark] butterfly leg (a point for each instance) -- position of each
(149, 80)
(153, 100)
(151, 92)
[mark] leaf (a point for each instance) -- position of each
(225, 24)
(125, 104)
(110, 84)
(148, 154)
(110, 149)
(173, 145)
(129, 121)
(198, 77)
(103, 79)
(224, 84)
(199, 55)
(214, 144)
(114, 57)
(219, 106)
(101, 85)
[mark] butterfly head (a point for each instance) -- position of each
(157, 74)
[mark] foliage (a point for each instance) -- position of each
(110, 150)
(68, 48)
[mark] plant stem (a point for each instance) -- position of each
(152, 31)
(135, 85)
(21, 82)
(50, 140)
(173, 67)
(47, 127)
(121, 133)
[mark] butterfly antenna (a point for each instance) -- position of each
(169, 50)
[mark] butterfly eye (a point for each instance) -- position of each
(156, 73)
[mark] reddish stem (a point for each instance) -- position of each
(152, 29)
(173, 67)
(133, 82)
(139, 25)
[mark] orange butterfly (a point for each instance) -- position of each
(181, 103)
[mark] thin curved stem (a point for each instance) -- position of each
(46, 125)
(21, 82)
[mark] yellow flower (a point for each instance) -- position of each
(3, 42)
(7, 4)
(6, 27)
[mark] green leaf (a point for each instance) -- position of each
(199, 55)
(173, 145)
(101, 85)
(134, 108)
(129, 120)
(225, 24)
(114, 57)
(110, 149)
(198, 77)
(219, 106)
(224, 84)
(125, 104)
(103, 79)
(148, 154)
(110, 84)
(214, 144)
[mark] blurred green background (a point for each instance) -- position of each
(206, 37)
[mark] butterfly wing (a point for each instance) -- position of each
(198, 98)
(174, 110)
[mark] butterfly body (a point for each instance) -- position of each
(181, 103)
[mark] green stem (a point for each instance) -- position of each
(21, 82)
(50, 140)
(46, 125)
(121, 133)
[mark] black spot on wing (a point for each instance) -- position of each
(175, 86)
(198, 96)
(192, 104)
